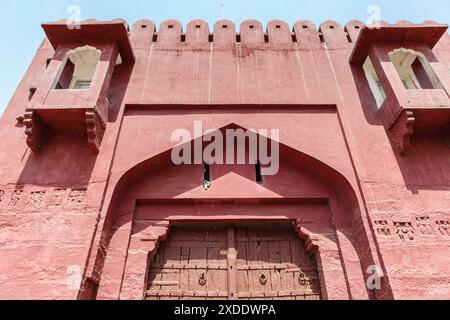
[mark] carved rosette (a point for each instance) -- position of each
(35, 131)
(95, 130)
(402, 131)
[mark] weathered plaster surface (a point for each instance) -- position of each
(67, 211)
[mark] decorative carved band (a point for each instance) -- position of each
(35, 131)
(95, 130)
(402, 131)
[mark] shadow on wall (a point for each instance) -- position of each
(65, 162)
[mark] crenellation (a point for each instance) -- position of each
(279, 33)
(429, 22)
(307, 35)
(382, 23)
(353, 29)
(142, 34)
(169, 33)
(404, 23)
(252, 33)
(197, 32)
(334, 35)
(224, 34)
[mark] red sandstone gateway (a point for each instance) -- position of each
(93, 207)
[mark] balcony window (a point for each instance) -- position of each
(374, 83)
(414, 70)
(78, 68)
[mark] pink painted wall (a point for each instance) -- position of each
(66, 211)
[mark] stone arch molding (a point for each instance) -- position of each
(84, 54)
(84, 61)
(425, 63)
(129, 174)
(333, 253)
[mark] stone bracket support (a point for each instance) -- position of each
(35, 130)
(402, 131)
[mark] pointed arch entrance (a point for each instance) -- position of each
(315, 199)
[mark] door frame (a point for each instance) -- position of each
(144, 245)
(230, 240)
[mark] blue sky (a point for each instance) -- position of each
(20, 31)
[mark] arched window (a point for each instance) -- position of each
(414, 69)
(79, 68)
(374, 82)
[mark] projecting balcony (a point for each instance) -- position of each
(411, 86)
(72, 94)
(84, 120)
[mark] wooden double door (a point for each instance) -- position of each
(233, 261)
